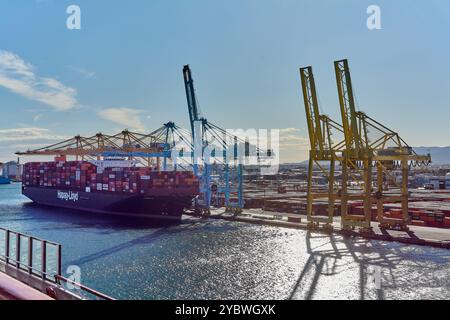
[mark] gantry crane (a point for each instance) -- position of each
(144, 147)
(368, 144)
(324, 153)
(221, 178)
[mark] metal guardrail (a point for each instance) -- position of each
(95, 293)
(14, 256)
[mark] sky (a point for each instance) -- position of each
(123, 68)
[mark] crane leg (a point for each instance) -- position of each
(309, 200)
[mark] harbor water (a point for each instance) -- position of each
(216, 259)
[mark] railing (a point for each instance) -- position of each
(90, 291)
(39, 258)
(31, 254)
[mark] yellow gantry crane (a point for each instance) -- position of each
(367, 144)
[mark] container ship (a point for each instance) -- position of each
(110, 187)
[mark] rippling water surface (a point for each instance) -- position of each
(214, 259)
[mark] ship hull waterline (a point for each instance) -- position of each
(158, 207)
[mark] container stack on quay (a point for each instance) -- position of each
(429, 208)
(433, 213)
(86, 176)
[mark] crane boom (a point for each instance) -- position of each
(312, 109)
(190, 96)
(347, 105)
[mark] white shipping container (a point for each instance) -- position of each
(114, 163)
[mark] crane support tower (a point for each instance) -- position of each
(367, 145)
(221, 181)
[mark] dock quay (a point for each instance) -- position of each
(417, 235)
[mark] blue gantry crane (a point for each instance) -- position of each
(220, 174)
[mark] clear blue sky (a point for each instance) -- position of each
(245, 54)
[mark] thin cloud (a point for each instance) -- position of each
(37, 117)
(22, 139)
(290, 138)
(124, 116)
(19, 77)
(28, 134)
(85, 73)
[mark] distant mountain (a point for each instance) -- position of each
(439, 155)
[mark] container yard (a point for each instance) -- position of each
(426, 207)
(213, 159)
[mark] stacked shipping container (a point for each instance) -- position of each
(87, 177)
